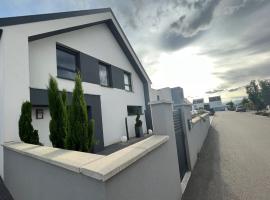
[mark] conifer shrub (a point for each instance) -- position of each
(77, 137)
(26, 131)
(58, 111)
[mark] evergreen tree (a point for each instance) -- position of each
(77, 138)
(265, 91)
(26, 131)
(58, 112)
(254, 95)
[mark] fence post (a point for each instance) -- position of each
(162, 118)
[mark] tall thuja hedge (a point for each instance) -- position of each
(77, 138)
(58, 112)
(26, 131)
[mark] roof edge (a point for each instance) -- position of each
(9, 21)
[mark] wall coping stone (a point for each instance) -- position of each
(197, 119)
(160, 102)
(95, 166)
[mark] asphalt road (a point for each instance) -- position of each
(234, 163)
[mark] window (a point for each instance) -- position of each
(104, 75)
(127, 81)
(67, 64)
(134, 110)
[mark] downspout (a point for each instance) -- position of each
(148, 114)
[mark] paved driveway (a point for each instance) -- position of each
(235, 161)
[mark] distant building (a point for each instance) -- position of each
(216, 103)
(206, 106)
(175, 95)
(198, 104)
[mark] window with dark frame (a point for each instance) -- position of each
(67, 63)
(134, 110)
(104, 75)
(127, 82)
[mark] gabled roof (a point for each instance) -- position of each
(8, 21)
(112, 23)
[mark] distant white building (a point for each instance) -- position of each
(198, 104)
(175, 95)
(216, 103)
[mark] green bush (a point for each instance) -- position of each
(77, 137)
(58, 111)
(26, 131)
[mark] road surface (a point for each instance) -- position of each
(234, 163)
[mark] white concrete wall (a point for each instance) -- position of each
(42, 125)
(215, 104)
(196, 137)
(98, 42)
(198, 106)
(164, 94)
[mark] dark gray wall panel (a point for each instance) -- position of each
(89, 69)
(39, 97)
(177, 95)
(117, 77)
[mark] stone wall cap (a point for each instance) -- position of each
(198, 118)
(160, 102)
(71, 160)
(95, 166)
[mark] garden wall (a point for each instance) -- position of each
(141, 171)
(196, 136)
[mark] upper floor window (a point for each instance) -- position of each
(104, 75)
(67, 63)
(127, 81)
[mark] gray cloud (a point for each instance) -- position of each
(235, 33)
(244, 75)
(214, 91)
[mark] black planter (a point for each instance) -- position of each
(138, 131)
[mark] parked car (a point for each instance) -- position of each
(240, 109)
(211, 112)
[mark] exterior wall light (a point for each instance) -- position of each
(39, 113)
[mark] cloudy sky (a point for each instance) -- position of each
(208, 47)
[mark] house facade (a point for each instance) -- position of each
(90, 42)
(174, 95)
(198, 104)
(216, 103)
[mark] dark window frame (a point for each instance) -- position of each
(133, 113)
(70, 51)
(108, 69)
(129, 80)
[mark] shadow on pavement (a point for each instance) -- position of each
(206, 181)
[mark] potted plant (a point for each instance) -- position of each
(138, 127)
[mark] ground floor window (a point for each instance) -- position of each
(134, 110)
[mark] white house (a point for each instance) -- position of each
(216, 103)
(198, 104)
(91, 42)
(175, 95)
